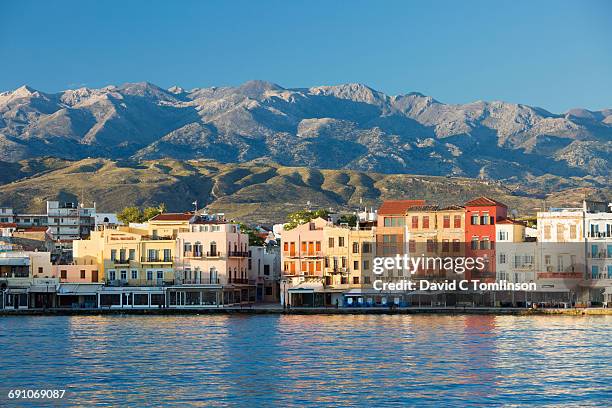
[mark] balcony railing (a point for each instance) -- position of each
(238, 254)
(237, 280)
(600, 255)
(148, 259)
(202, 281)
(139, 282)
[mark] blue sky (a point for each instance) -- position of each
(553, 54)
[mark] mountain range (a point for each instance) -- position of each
(349, 127)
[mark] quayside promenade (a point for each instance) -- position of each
(276, 309)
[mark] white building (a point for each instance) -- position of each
(6, 215)
(264, 268)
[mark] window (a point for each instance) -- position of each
(355, 280)
(340, 241)
(318, 246)
(286, 246)
(572, 231)
(484, 219)
(456, 245)
(415, 222)
(366, 280)
(445, 245)
(64, 274)
(267, 269)
(503, 235)
(132, 254)
(40, 270)
(149, 275)
(446, 221)
(134, 274)
(547, 232)
(484, 244)
(366, 247)
(344, 261)
(82, 273)
(111, 275)
(304, 247)
(167, 255)
(412, 245)
(122, 254)
(152, 255)
(425, 222)
(560, 263)
(502, 258)
(123, 275)
(474, 219)
(430, 245)
(457, 221)
(366, 265)
(160, 274)
(356, 265)
(475, 243)
(331, 242)
(268, 290)
(355, 247)
(113, 255)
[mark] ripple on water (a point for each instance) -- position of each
(310, 360)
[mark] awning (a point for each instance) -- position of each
(307, 287)
(15, 261)
(79, 289)
(42, 289)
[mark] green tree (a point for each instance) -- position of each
(300, 217)
(350, 219)
(254, 238)
(130, 214)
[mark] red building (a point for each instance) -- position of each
(481, 215)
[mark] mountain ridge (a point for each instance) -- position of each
(347, 126)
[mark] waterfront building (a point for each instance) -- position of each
(322, 261)
(18, 287)
(481, 215)
(264, 271)
(391, 226)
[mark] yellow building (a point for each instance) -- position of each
(136, 255)
(321, 261)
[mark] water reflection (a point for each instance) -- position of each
(361, 360)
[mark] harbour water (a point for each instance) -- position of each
(317, 360)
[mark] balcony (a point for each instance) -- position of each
(238, 254)
(157, 260)
(202, 281)
(522, 266)
(213, 254)
(138, 282)
(238, 281)
(600, 255)
(121, 262)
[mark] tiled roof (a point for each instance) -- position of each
(509, 221)
(453, 208)
(398, 207)
(423, 208)
(484, 201)
(172, 217)
(33, 229)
